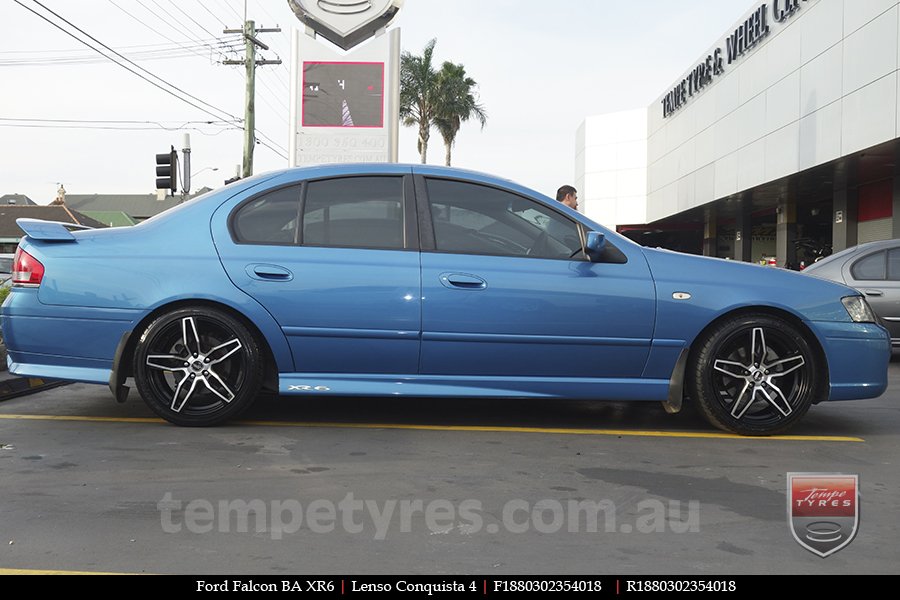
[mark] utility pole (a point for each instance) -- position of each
(250, 62)
(186, 176)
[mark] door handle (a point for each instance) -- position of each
(873, 292)
(463, 281)
(269, 272)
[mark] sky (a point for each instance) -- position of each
(70, 116)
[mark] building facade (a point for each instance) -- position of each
(782, 139)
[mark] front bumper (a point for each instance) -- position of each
(858, 355)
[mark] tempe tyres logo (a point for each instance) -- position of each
(346, 22)
(823, 510)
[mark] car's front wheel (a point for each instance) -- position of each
(754, 374)
(197, 366)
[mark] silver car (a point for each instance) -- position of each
(874, 270)
(6, 265)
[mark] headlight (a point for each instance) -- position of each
(859, 309)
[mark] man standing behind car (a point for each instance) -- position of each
(568, 196)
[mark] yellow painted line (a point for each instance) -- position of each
(474, 428)
(560, 430)
(51, 572)
(80, 418)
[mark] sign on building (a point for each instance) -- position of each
(345, 104)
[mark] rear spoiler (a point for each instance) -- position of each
(50, 231)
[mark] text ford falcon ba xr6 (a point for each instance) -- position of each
(427, 282)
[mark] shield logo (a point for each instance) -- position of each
(823, 510)
(346, 22)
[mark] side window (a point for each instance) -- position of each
(354, 212)
(894, 265)
(476, 219)
(869, 268)
(269, 219)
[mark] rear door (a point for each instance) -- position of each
(877, 275)
(336, 263)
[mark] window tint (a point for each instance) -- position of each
(354, 212)
(475, 219)
(269, 219)
(894, 265)
(869, 268)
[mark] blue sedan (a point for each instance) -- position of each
(399, 280)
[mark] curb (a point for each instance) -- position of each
(15, 387)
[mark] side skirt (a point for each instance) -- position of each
(492, 387)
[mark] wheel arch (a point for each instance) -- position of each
(809, 335)
(122, 363)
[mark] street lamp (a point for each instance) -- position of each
(204, 169)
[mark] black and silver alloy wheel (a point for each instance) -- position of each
(754, 374)
(197, 366)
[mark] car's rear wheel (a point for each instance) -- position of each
(197, 366)
(754, 374)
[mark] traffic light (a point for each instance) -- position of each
(167, 171)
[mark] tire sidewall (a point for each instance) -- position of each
(704, 392)
(243, 396)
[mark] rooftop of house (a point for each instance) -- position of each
(9, 214)
(110, 218)
(16, 200)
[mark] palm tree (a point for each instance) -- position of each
(456, 103)
(418, 94)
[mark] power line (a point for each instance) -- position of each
(236, 13)
(282, 153)
(271, 141)
(130, 121)
(250, 63)
(156, 31)
(79, 50)
(266, 141)
(168, 91)
(172, 21)
(275, 95)
(262, 7)
(179, 9)
(263, 98)
(278, 79)
(204, 7)
(123, 128)
(122, 124)
(285, 38)
(85, 59)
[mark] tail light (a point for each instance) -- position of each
(27, 270)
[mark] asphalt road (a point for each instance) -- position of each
(327, 486)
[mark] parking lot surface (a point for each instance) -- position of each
(359, 485)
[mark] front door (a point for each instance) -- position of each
(507, 292)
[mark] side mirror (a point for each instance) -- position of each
(596, 241)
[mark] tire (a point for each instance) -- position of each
(197, 367)
(754, 374)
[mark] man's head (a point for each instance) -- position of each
(568, 196)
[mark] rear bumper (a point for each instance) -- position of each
(858, 356)
(50, 371)
(62, 342)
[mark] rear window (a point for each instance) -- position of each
(869, 268)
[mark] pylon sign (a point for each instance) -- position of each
(346, 23)
(345, 105)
